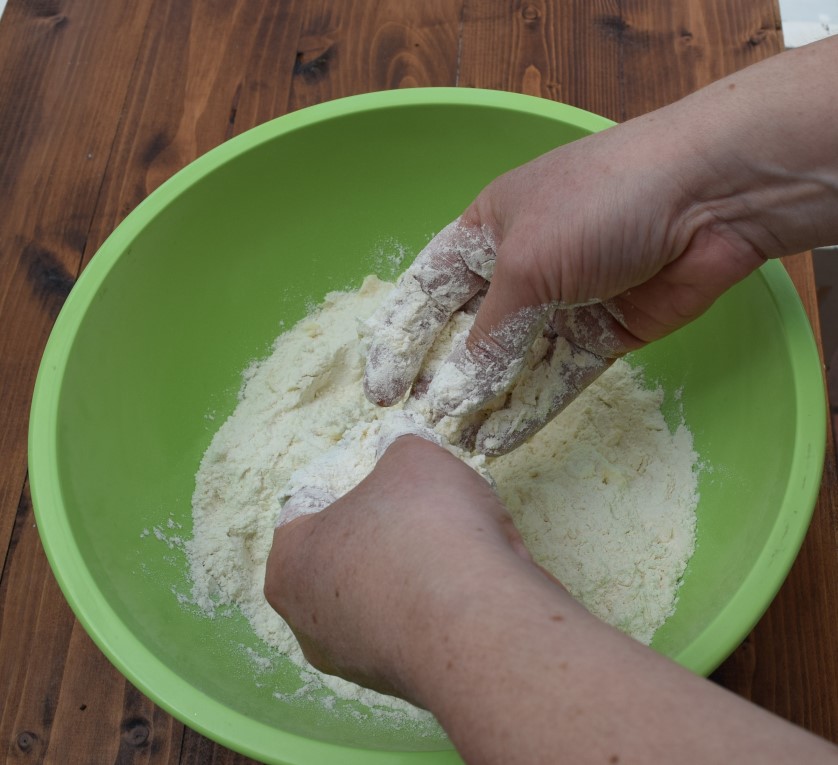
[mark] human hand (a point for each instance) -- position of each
(592, 250)
(416, 584)
(374, 582)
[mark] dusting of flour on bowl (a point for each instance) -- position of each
(604, 496)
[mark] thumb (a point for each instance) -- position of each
(685, 288)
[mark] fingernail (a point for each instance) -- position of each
(385, 378)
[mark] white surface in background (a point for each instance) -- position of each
(805, 21)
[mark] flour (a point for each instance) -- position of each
(604, 496)
(605, 499)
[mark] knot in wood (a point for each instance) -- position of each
(613, 26)
(758, 37)
(26, 740)
(47, 275)
(530, 12)
(135, 731)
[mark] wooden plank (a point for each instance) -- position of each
(60, 111)
(34, 632)
(617, 59)
(198, 750)
(671, 49)
(100, 717)
(357, 47)
(65, 702)
(550, 49)
(188, 87)
(195, 73)
(206, 72)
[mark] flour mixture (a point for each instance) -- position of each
(604, 496)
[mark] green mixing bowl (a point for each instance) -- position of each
(144, 364)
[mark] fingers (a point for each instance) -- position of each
(319, 483)
(583, 342)
(324, 480)
(452, 272)
(476, 372)
(598, 328)
(446, 274)
(484, 365)
(539, 397)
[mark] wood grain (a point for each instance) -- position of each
(62, 84)
(34, 633)
(60, 109)
(204, 72)
(347, 48)
(618, 59)
(104, 101)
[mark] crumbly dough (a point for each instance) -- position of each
(604, 496)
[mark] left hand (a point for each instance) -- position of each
(374, 584)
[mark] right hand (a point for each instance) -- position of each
(616, 240)
(595, 243)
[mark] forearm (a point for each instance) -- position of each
(762, 150)
(523, 674)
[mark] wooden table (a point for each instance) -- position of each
(102, 100)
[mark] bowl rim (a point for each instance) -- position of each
(255, 739)
(734, 622)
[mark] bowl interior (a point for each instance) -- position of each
(145, 364)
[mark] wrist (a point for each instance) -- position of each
(761, 153)
(469, 638)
